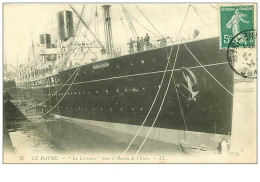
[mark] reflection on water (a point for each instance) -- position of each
(63, 136)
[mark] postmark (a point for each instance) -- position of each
(233, 20)
(241, 54)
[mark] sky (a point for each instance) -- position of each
(25, 22)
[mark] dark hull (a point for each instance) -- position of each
(122, 90)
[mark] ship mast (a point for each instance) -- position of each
(108, 30)
(33, 48)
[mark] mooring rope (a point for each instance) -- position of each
(59, 100)
(158, 92)
(63, 84)
(63, 95)
(161, 103)
(179, 103)
(58, 89)
(207, 70)
(54, 93)
(155, 98)
(216, 79)
(78, 68)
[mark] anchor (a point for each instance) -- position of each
(187, 91)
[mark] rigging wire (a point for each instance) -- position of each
(213, 7)
(143, 26)
(96, 23)
(184, 19)
(196, 11)
(81, 14)
(148, 20)
(129, 21)
(84, 34)
(124, 27)
(84, 23)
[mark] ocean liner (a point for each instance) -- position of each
(181, 83)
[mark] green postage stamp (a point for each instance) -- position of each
(233, 21)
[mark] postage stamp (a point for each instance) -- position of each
(233, 20)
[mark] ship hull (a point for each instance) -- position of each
(170, 136)
(123, 90)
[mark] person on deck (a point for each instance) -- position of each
(142, 43)
(131, 46)
(163, 42)
(103, 51)
(147, 41)
(138, 44)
